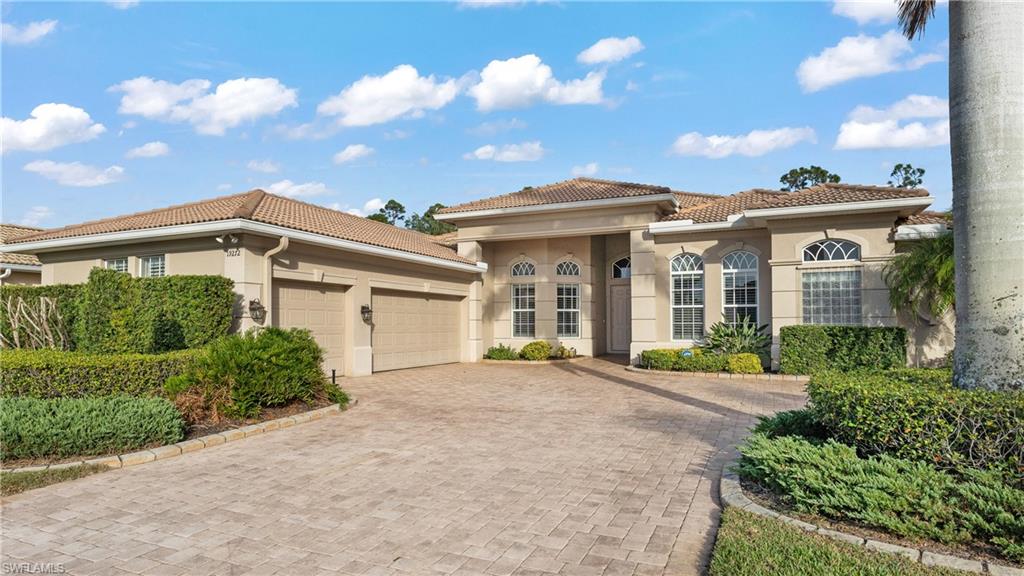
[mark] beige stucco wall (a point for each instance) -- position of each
(189, 256)
(585, 222)
(22, 278)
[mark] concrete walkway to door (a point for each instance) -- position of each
(472, 469)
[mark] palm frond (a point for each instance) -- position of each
(914, 15)
(922, 279)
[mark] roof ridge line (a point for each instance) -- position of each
(251, 203)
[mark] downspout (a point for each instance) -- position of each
(6, 273)
(268, 273)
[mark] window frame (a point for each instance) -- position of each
(696, 272)
(522, 269)
(142, 265)
(530, 312)
(568, 268)
(572, 311)
(616, 268)
(108, 261)
(726, 272)
(832, 256)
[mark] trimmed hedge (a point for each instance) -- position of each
(807, 349)
(744, 363)
(904, 497)
(62, 427)
(119, 313)
(536, 350)
(918, 415)
(64, 295)
(54, 374)
(700, 360)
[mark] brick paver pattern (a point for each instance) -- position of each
(464, 469)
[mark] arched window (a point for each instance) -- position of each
(567, 268)
(831, 250)
(832, 295)
(621, 268)
(523, 268)
(739, 287)
(687, 275)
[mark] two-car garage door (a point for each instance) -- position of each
(411, 329)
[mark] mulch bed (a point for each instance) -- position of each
(975, 550)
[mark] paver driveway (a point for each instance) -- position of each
(580, 468)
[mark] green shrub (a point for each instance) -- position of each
(501, 352)
(659, 358)
(62, 427)
(564, 352)
(701, 361)
(904, 497)
(914, 416)
(744, 363)
(536, 350)
(119, 313)
(258, 369)
(65, 296)
(800, 423)
(746, 337)
(808, 349)
(53, 373)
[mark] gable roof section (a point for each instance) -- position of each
(926, 217)
(260, 206)
(9, 232)
(720, 208)
(567, 191)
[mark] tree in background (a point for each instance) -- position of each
(906, 176)
(427, 224)
(922, 280)
(392, 213)
(803, 177)
(986, 105)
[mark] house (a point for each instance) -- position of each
(600, 266)
(16, 268)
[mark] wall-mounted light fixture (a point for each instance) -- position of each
(366, 313)
(227, 239)
(257, 311)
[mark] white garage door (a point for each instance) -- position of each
(414, 330)
(317, 308)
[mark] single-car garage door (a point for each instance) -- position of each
(414, 330)
(317, 308)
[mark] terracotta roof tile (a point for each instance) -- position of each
(575, 190)
(720, 208)
(261, 206)
(840, 194)
(9, 232)
(927, 217)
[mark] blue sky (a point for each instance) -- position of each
(114, 108)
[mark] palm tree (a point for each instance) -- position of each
(986, 105)
(921, 280)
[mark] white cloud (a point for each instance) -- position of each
(353, 152)
(632, 86)
(858, 57)
(75, 173)
(521, 81)
(588, 169)
(371, 206)
(306, 131)
(525, 152)
(866, 11)
(149, 150)
(497, 127)
(49, 126)
(402, 92)
(36, 215)
(608, 50)
(264, 166)
(231, 103)
(868, 127)
(27, 34)
(223, 187)
(123, 4)
(294, 190)
(396, 134)
(755, 143)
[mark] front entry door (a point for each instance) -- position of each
(621, 319)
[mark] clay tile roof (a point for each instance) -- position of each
(575, 190)
(9, 232)
(260, 206)
(449, 239)
(840, 194)
(719, 208)
(927, 217)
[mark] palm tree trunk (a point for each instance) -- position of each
(986, 89)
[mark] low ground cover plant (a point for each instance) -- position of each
(502, 352)
(800, 423)
(17, 482)
(63, 427)
(907, 498)
(536, 350)
(806, 349)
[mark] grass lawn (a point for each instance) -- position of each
(751, 545)
(16, 482)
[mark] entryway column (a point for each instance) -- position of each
(358, 332)
(473, 349)
(642, 288)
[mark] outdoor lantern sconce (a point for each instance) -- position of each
(367, 313)
(257, 311)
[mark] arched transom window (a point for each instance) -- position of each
(687, 276)
(832, 295)
(739, 287)
(523, 268)
(831, 250)
(567, 268)
(621, 268)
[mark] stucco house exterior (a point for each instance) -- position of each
(23, 269)
(597, 265)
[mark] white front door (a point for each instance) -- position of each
(621, 318)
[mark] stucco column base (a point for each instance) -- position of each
(362, 361)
